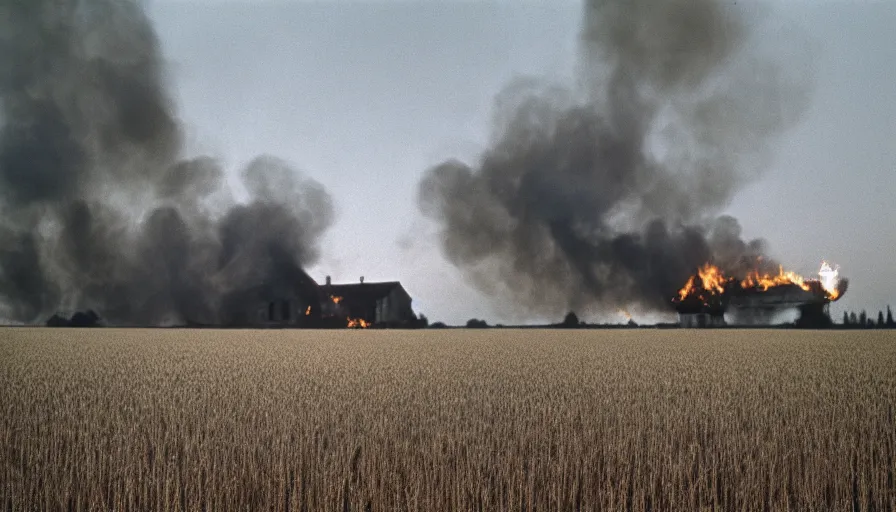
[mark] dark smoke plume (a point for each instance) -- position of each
(99, 208)
(609, 196)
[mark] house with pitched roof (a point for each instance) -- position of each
(382, 304)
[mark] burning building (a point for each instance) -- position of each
(607, 191)
(757, 298)
(702, 300)
(301, 302)
(293, 303)
(362, 304)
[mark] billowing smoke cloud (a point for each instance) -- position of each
(609, 196)
(99, 208)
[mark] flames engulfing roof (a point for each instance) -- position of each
(711, 290)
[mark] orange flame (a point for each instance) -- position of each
(358, 323)
(336, 300)
(308, 311)
(687, 289)
(712, 279)
(766, 281)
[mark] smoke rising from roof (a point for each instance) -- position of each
(610, 195)
(99, 208)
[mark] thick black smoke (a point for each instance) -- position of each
(608, 197)
(99, 209)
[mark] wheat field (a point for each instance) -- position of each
(447, 420)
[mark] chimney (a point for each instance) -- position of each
(328, 280)
(362, 279)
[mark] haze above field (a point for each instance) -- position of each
(365, 96)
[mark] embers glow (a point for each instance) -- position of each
(358, 323)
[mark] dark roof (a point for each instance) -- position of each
(290, 281)
(361, 291)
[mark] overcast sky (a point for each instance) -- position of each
(366, 96)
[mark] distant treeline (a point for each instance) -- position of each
(87, 318)
(864, 321)
(851, 320)
(90, 318)
(570, 321)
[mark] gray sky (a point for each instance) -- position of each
(366, 96)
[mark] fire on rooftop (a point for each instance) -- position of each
(756, 298)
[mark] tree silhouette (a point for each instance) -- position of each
(863, 319)
(571, 320)
(845, 318)
(57, 320)
(475, 323)
(880, 318)
(890, 322)
(86, 319)
(853, 320)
